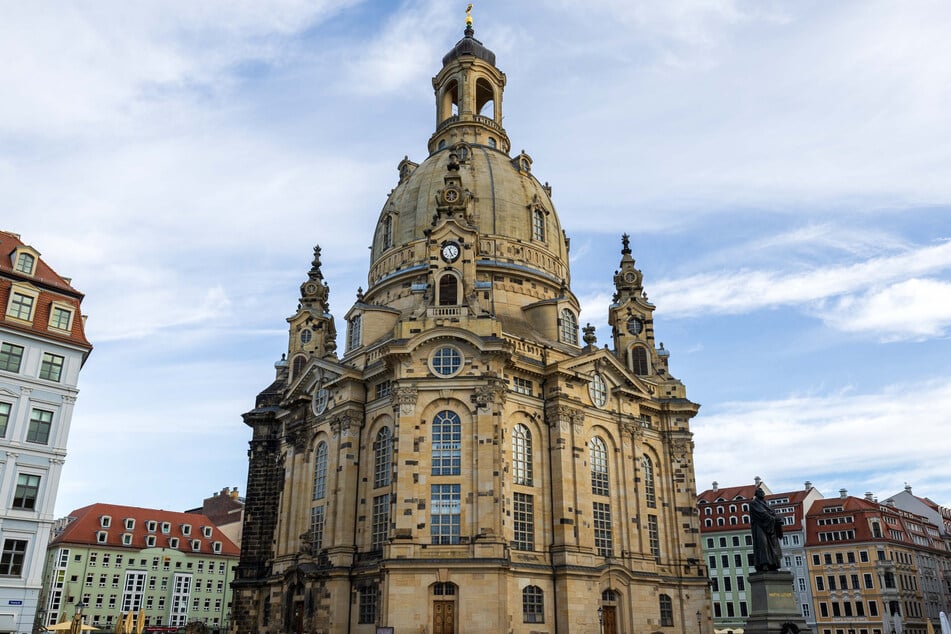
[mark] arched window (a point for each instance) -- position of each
(568, 327)
(733, 521)
(708, 522)
(522, 455)
(388, 232)
(746, 519)
(444, 589)
(448, 290)
(639, 363)
(320, 471)
(666, 611)
(298, 365)
(354, 336)
(649, 493)
(447, 443)
(538, 225)
(721, 522)
(382, 462)
(533, 605)
(708, 511)
(733, 508)
(609, 596)
(598, 457)
(450, 101)
(485, 98)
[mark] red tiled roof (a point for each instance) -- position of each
(85, 525)
(745, 492)
(52, 288)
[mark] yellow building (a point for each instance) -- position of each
(471, 462)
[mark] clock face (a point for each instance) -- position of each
(450, 252)
(635, 325)
(311, 288)
(451, 195)
(629, 277)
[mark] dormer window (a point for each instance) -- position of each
(354, 334)
(216, 547)
(538, 224)
(25, 263)
(186, 529)
(102, 536)
(22, 302)
(126, 539)
(105, 521)
(196, 545)
(206, 531)
(173, 542)
(166, 527)
(150, 541)
(568, 327)
(61, 317)
(129, 523)
(151, 525)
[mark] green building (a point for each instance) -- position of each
(177, 567)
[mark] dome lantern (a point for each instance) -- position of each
(469, 97)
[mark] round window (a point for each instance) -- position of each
(598, 390)
(320, 400)
(446, 361)
(306, 336)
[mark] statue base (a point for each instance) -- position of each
(773, 608)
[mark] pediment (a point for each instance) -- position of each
(316, 372)
(613, 371)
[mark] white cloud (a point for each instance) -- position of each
(836, 440)
(915, 308)
(734, 292)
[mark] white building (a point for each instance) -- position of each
(42, 348)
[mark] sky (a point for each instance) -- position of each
(782, 169)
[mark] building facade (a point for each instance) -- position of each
(175, 567)
(870, 566)
(728, 547)
(42, 348)
(470, 461)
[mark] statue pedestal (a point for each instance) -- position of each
(773, 608)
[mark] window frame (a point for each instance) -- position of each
(446, 361)
(13, 556)
(57, 312)
(446, 444)
(26, 494)
(8, 352)
(522, 467)
(16, 303)
(51, 367)
(321, 459)
(533, 604)
(598, 459)
(40, 427)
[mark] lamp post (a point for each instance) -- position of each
(699, 617)
(76, 627)
(601, 619)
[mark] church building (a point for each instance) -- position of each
(469, 461)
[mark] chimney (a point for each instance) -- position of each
(757, 481)
(234, 493)
(843, 493)
(715, 486)
(907, 487)
(808, 485)
(869, 496)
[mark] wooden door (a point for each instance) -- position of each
(610, 620)
(444, 617)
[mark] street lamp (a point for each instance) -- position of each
(601, 619)
(699, 616)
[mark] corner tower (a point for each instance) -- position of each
(463, 463)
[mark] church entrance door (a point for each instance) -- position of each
(444, 617)
(610, 620)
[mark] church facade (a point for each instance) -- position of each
(470, 461)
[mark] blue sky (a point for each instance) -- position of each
(782, 169)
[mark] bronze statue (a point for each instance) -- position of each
(767, 529)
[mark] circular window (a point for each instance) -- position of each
(598, 390)
(306, 336)
(446, 361)
(320, 400)
(635, 325)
